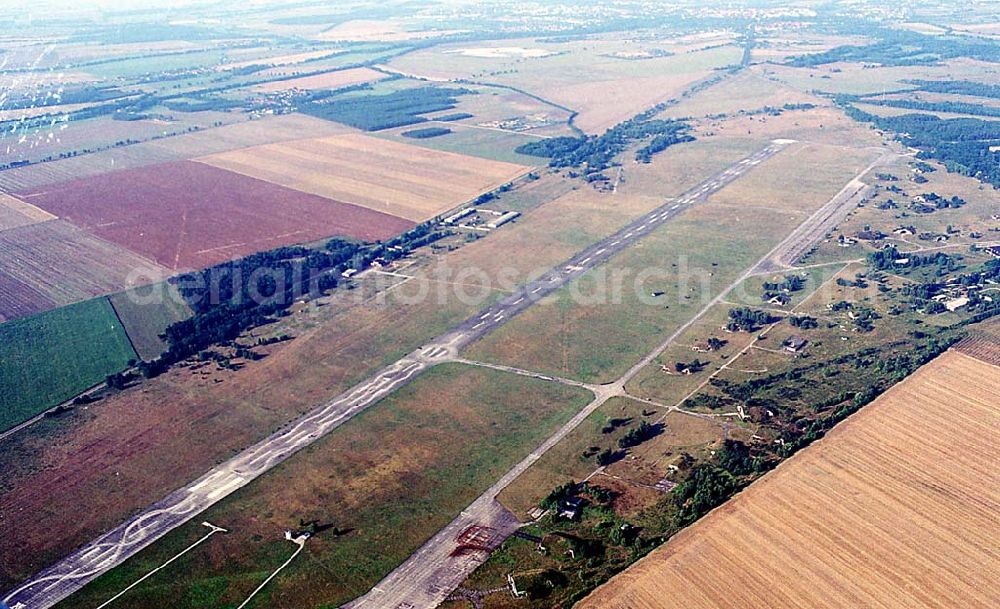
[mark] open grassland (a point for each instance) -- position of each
(663, 383)
(144, 442)
(969, 224)
(856, 78)
(387, 480)
(353, 168)
(821, 125)
(574, 458)
(779, 45)
(684, 166)
(280, 60)
(14, 213)
(744, 92)
(498, 107)
(370, 30)
(48, 358)
(54, 262)
(585, 76)
(470, 139)
(604, 322)
(146, 312)
(894, 508)
(327, 80)
(193, 215)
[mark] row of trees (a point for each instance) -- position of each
(231, 297)
(890, 258)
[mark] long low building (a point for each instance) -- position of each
(897, 508)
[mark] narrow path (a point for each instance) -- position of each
(213, 531)
(301, 543)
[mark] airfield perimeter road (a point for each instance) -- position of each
(807, 234)
(60, 580)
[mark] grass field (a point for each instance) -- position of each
(328, 80)
(582, 75)
(855, 78)
(143, 442)
(146, 312)
(48, 358)
(391, 478)
(599, 335)
(574, 457)
(469, 139)
(895, 508)
(353, 169)
(744, 91)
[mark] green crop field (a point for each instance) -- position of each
(49, 358)
(145, 321)
(474, 141)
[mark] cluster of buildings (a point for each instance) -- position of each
(481, 219)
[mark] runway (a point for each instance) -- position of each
(824, 220)
(70, 574)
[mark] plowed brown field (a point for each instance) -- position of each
(55, 263)
(192, 215)
(897, 508)
(390, 177)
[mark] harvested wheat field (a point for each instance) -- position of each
(898, 507)
(327, 80)
(14, 213)
(191, 215)
(399, 179)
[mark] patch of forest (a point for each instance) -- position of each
(963, 145)
(374, 112)
(429, 132)
(596, 153)
(903, 48)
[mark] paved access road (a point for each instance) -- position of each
(57, 582)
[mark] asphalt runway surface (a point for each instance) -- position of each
(57, 582)
(824, 220)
